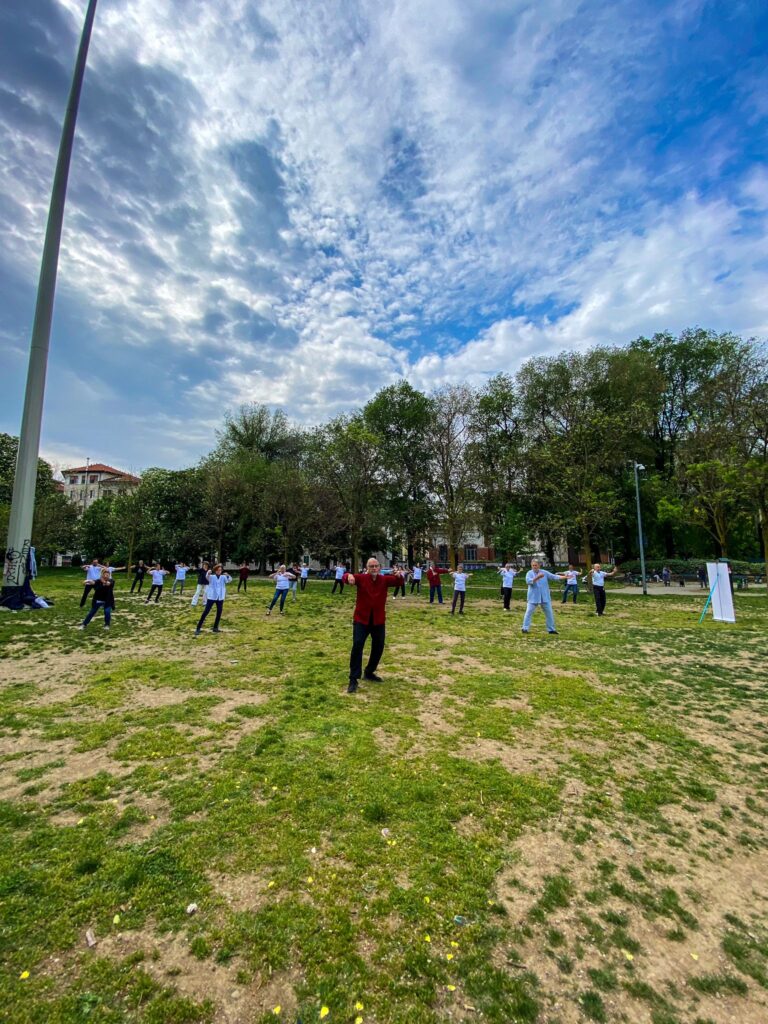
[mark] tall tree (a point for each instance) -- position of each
(450, 465)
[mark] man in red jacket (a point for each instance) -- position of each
(435, 586)
(368, 620)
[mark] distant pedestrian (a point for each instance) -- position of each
(666, 575)
(103, 597)
(181, 575)
(598, 585)
(539, 596)
(282, 580)
(507, 573)
(435, 586)
(296, 573)
(158, 575)
(242, 577)
(217, 591)
(339, 578)
(459, 588)
(701, 576)
(403, 577)
(304, 576)
(571, 576)
(201, 589)
(92, 573)
(139, 572)
(417, 572)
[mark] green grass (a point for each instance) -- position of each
(497, 825)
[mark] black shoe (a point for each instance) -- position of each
(214, 630)
(352, 688)
(372, 677)
(552, 632)
(525, 632)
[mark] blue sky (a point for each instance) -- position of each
(298, 203)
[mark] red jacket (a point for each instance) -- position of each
(433, 575)
(372, 596)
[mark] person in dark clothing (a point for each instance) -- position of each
(139, 572)
(242, 577)
(92, 573)
(103, 597)
(215, 595)
(368, 620)
(339, 572)
(202, 584)
(435, 586)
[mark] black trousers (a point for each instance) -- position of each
(243, 584)
(436, 589)
(155, 587)
(417, 584)
(360, 634)
(86, 592)
(399, 590)
(219, 609)
(599, 593)
(456, 595)
(507, 592)
(339, 584)
(140, 581)
(303, 583)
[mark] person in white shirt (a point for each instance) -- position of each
(598, 585)
(92, 573)
(507, 573)
(217, 591)
(341, 571)
(181, 574)
(459, 588)
(571, 575)
(282, 580)
(539, 596)
(304, 576)
(416, 577)
(158, 578)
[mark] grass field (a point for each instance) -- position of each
(544, 828)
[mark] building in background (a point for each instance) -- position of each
(85, 484)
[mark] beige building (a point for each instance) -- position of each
(85, 484)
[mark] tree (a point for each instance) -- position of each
(96, 531)
(450, 465)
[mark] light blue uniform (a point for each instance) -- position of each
(538, 596)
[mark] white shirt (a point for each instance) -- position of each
(417, 572)
(459, 581)
(538, 590)
(217, 587)
(181, 572)
(340, 572)
(571, 577)
(157, 576)
(598, 578)
(304, 572)
(93, 572)
(282, 580)
(508, 577)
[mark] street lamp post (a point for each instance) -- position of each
(637, 466)
(25, 479)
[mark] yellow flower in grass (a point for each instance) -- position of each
(358, 1005)
(276, 1010)
(358, 1020)
(451, 988)
(24, 975)
(324, 1011)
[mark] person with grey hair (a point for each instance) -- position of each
(539, 596)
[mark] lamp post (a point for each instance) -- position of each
(638, 466)
(23, 500)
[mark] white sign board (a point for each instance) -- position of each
(720, 592)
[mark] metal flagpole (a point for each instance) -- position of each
(23, 501)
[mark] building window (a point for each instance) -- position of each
(82, 479)
(73, 479)
(470, 552)
(94, 479)
(442, 553)
(90, 493)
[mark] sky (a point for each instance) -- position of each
(299, 203)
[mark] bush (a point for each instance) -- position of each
(689, 566)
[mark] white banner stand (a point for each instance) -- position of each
(720, 595)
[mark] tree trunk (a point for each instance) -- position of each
(129, 563)
(587, 546)
(410, 551)
(549, 547)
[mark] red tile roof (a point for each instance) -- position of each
(95, 467)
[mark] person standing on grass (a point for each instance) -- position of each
(571, 575)
(598, 585)
(139, 572)
(181, 575)
(242, 577)
(666, 576)
(296, 572)
(435, 586)
(158, 575)
(92, 573)
(282, 580)
(201, 590)
(217, 591)
(507, 573)
(369, 619)
(339, 580)
(539, 596)
(459, 588)
(304, 577)
(103, 597)
(400, 588)
(416, 578)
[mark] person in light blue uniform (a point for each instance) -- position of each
(538, 595)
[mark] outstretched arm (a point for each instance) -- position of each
(349, 579)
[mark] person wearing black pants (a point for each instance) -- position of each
(304, 576)
(369, 620)
(158, 578)
(339, 581)
(92, 574)
(416, 580)
(217, 591)
(435, 586)
(507, 574)
(459, 588)
(598, 586)
(400, 589)
(139, 572)
(242, 577)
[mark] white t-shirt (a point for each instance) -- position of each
(217, 587)
(459, 581)
(417, 573)
(181, 572)
(157, 576)
(93, 572)
(282, 580)
(598, 578)
(340, 572)
(304, 572)
(508, 577)
(571, 577)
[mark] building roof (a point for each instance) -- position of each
(123, 478)
(95, 467)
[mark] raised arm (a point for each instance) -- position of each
(349, 579)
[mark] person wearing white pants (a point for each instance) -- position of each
(539, 596)
(201, 590)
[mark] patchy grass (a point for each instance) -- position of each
(551, 829)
